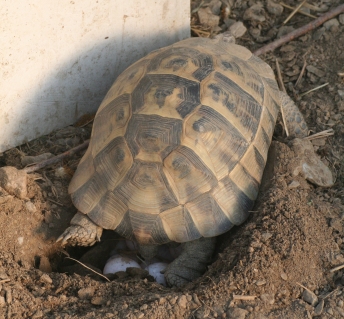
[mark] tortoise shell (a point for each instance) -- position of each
(179, 143)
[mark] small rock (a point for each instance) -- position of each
(266, 235)
(86, 293)
(182, 301)
(293, 184)
(313, 169)
(237, 29)
(319, 308)
(206, 17)
(329, 311)
(30, 206)
(13, 181)
(215, 6)
(268, 298)
(140, 315)
(236, 313)
(284, 276)
(260, 282)
(255, 13)
(330, 23)
(98, 301)
(310, 297)
(2, 301)
(284, 30)
(336, 224)
(162, 300)
(20, 240)
(27, 160)
(319, 33)
(319, 142)
(46, 278)
(274, 8)
(341, 93)
(316, 71)
(341, 18)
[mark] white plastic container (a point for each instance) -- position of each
(59, 57)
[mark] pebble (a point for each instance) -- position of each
(98, 301)
(206, 17)
(46, 278)
(13, 181)
(316, 71)
(274, 8)
(341, 18)
(182, 301)
(237, 29)
(2, 301)
(284, 30)
(86, 293)
(268, 298)
(336, 224)
(255, 13)
(310, 297)
(284, 276)
(30, 206)
(140, 315)
(341, 93)
(319, 308)
(260, 282)
(8, 293)
(236, 313)
(330, 23)
(294, 184)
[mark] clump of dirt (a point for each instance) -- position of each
(276, 265)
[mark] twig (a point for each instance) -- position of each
(301, 31)
(322, 134)
(301, 12)
(304, 287)
(294, 11)
(89, 268)
(279, 77)
(314, 89)
(4, 280)
(337, 268)
(56, 159)
(240, 297)
(340, 73)
(301, 74)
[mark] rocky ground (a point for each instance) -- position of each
(278, 264)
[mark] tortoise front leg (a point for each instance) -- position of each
(191, 263)
(82, 232)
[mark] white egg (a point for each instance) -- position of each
(118, 263)
(155, 271)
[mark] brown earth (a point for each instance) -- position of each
(289, 244)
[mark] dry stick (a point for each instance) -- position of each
(301, 31)
(281, 84)
(99, 274)
(301, 12)
(301, 74)
(314, 89)
(241, 297)
(56, 159)
(294, 11)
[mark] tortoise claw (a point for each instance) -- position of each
(82, 232)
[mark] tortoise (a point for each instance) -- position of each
(178, 149)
